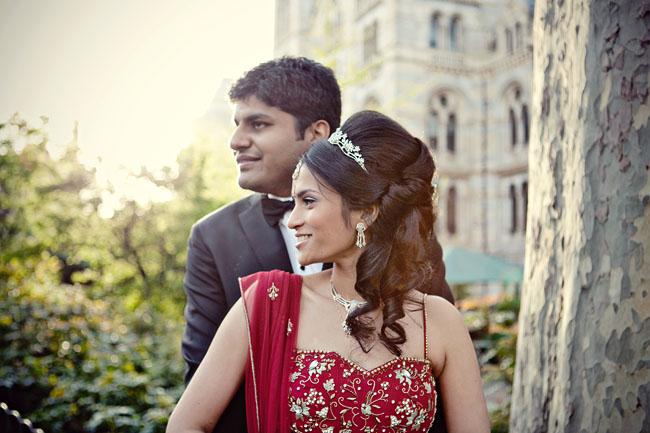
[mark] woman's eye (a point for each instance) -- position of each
(308, 201)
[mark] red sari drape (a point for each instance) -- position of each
(272, 309)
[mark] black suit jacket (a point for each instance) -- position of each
(224, 245)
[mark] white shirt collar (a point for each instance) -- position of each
(275, 197)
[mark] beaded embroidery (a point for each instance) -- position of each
(289, 327)
(273, 292)
(329, 393)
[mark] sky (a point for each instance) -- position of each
(134, 74)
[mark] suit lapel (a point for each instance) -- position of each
(265, 241)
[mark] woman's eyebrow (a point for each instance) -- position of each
(303, 192)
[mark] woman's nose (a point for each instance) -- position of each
(295, 220)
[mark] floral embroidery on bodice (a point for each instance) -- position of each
(330, 394)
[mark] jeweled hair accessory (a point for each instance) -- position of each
(341, 139)
(296, 171)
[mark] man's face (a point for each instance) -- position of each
(266, 147)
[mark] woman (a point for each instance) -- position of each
(359, 347)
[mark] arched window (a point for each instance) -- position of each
(434, 25)
(451, 133)
(524, 122)
(524, 194)
(492, 45)
(513, 209)
(432, 130)
(513, 128)
(442, 122)
(518, 116)
(509, 46)
(370, 45)
(282, 24)
(519, 37)
(454, 32)
(371, 103)
(451, 210)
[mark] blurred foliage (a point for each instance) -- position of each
(91, 307)
(461, 291)
(500, 420)
(493, 328)
(79, 365)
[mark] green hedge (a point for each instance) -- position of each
(73, 364)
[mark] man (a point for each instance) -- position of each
(280, 108)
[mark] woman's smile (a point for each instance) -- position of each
(302, 239)
(322, 232)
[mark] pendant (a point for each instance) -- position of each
(354, 304)
(346, 327)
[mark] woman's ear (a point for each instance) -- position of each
(370, 215)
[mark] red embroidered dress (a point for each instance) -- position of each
(330, 394)
(317, 391)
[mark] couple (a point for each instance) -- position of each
(356, 346)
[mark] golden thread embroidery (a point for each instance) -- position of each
(250, 354)
(273, 292)
(399, 393)
(289, 327)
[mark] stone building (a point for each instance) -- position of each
(456, 74)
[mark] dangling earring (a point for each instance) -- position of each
(361, 237)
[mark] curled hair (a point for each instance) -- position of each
(296, 85)
(398, 257)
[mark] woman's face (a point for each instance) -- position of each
(321, 229)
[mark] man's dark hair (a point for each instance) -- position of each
(296, 85)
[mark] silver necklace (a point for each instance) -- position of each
(349, 305)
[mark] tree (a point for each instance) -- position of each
(41, 209)
(50, 207)
(150, 240)
(73, 358)
(582, 355)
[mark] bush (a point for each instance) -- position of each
(499, 420)
(74, 364)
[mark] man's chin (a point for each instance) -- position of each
(263, 186)
(245, 182)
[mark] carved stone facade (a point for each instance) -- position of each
(456, 74)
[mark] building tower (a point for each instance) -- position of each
(456, 74)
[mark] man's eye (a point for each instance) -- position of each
(259, 125)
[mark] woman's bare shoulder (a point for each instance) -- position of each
(443, 313)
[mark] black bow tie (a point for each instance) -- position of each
(274, 210)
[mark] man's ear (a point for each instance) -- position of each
(317, 130)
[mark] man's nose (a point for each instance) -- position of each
(239, 140)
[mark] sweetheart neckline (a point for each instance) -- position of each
(363, 370)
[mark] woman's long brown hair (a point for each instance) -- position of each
(398, 257)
